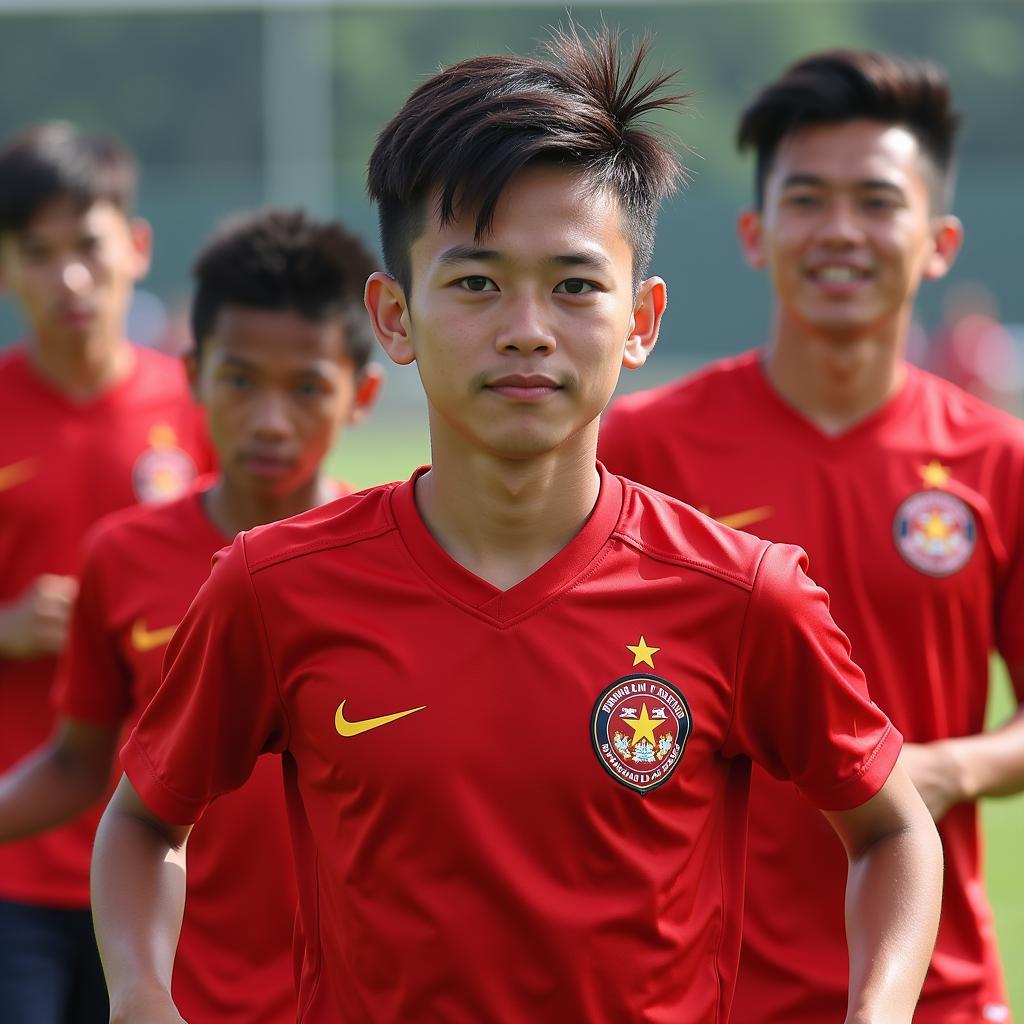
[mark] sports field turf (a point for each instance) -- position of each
(376, 453)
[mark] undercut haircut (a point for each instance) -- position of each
(845, 85)
(463, 134)
(285, 261)
(53, 160)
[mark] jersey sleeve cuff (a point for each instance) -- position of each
(154, 792)
(868, 780)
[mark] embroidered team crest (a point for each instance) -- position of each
(639, 726)
(935, 532)
(163, 471)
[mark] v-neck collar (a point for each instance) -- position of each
(890, 410)
(483, 598)
(49, 392)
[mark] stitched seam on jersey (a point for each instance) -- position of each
(322, 545)
(674, 558)
(859, 774)
(266, 645)
(739, 647)
(163, 784)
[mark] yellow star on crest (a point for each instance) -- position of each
(644, 726)
(936, 528)
(642, 653)
(935, 474)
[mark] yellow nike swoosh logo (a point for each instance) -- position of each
(150, 639)
(16, 472)
(740, 519)
(347, 728)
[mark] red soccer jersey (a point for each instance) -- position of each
(140, 571)
(519, 804)
(913, 522)
(63, 465)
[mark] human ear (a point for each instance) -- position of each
(947, 237)
(644, 324)
(368, 388)
(386, 303)
(141, 234)
(750, 231)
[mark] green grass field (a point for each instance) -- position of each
(376, 453)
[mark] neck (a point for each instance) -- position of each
(232, 509)
(500, 518)
(834, 381)
(82, 371)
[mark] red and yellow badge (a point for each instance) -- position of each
(640, 725)
(163, 471)
(935, 530)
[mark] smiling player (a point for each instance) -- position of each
(516, 696)
(907, 494)
(280, 366)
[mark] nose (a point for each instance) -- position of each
(525, 328)
(841, 225)
(269, 418)
(75, 277)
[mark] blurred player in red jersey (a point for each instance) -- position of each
(516, 696)
(281, 364)
(907, 494)
(90, 424)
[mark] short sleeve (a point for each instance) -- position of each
(802, 709)
(93, 683)
(218, 706)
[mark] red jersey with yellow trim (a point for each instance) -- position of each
(63, 465)
(505, 800)
(141, 569)
(913, 521)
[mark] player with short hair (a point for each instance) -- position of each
(90, 424)
(906, 493)
(516, 696)
(281, 364)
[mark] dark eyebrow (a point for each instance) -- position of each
(813, 181)
(465, 253)
(581, 259)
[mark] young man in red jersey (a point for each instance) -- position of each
(516, 697)
(281, 364)
(906, 493)
(88, 424)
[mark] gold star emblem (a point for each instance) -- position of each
(936, 528)
(935, 474)
(642, 653)
(644, 726)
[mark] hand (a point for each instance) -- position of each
(937, 773)
(37, 622)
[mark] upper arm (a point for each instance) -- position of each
(127, 804)
(894, 809)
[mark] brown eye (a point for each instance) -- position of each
(575, 286)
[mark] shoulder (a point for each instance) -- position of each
(962, 415)
(702, 388)
(157, 373)
(135, 526)
(348, 520)
(671, 531)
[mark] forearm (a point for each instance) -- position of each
(989, 763)
(138, 898)
(46, 789)
(892, 912)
